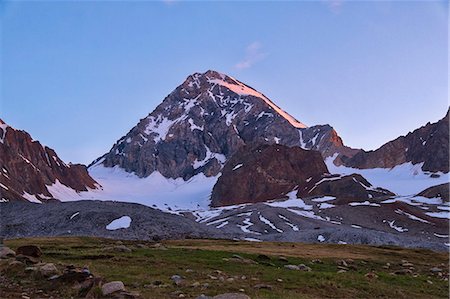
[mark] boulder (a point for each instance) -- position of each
(292, 267)
(6, 252)
(48, 270)
(111, 287)
(29, 260)
(29, 250)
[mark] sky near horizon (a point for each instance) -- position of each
(79, 75)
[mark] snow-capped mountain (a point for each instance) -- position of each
(203, 122)
(34, 172)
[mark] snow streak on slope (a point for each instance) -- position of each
(404, 179)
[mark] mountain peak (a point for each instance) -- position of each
(209, 79)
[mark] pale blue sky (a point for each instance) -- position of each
(79, 75)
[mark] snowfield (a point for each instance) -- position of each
(405, 179)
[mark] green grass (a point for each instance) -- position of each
(143, 266)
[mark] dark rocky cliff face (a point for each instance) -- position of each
(203, 122)
(264, 172)
(428, 144)
(27, 166)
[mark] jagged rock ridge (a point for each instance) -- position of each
(27, 168)
(428, 145)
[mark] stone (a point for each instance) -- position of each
(28, 260)
(371, 275)
(6, 252)
(292, 267)
(48, 270)
(343, 263)
(231, 296)
(263, 286)
(122, 248)
(436, 270)
(263, 257)
(316, 261)
(303, 267)
(111, 287)
(403, 272)
(177, 279)
(283, 259)
(341, 271)
(31, 269)
(29, 250)
(407, 264)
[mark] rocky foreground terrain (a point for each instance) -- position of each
(104, 268)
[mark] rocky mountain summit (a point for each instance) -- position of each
(428, 145)
(203, 122)
(28, 169)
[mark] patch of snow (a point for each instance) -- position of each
(267, 221)
(277, 140)
(74, 215)
(247, 223)
(404, 179)
(324, 198)
(208, 156)
(444, 215)
(31, 198)
(440, 236)
(292, 202)
(166, 194)
(364, 203)
(237, 166)
(288, 222)
(445, 208)
(326, 206)
(3, 186)
(342, 243)
(411, 216)
(122, 222)
(252, 240)
(320, 238)
(307, 214)
(324, 180)
(262, 114)
(397, 228)
(3, 126)
(194, 126)
(355, 226)
(222, 224)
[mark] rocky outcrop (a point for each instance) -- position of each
(27, 168)
(347, 188)
(441, 191)
(264, 172)
(324, 138)
(428, 145)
